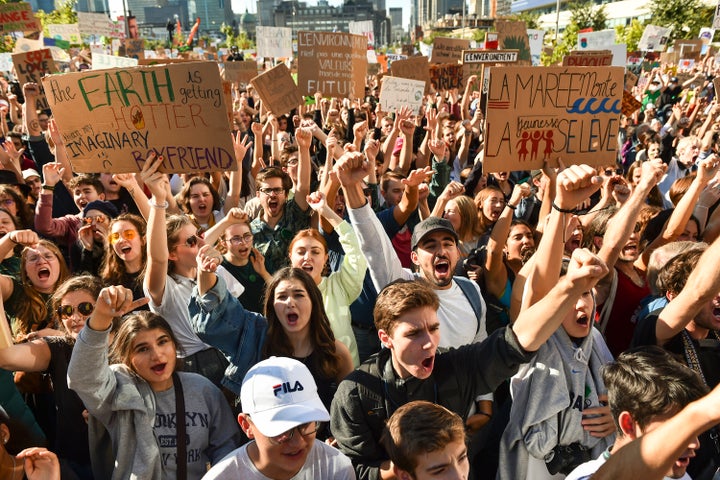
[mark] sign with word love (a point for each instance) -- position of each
(571, 113)
(332, 63)
(112, 119)
(31, 67)
(18, 17)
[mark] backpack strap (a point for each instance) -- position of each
(468, 288)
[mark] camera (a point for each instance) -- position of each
(565, 458)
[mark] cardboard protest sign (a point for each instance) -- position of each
(560, 112)
(414, 68)
(706, 35)
(68, 32)
(686, 64)
(274, 41)
(111, 119)
(535, 40)
(716, 17)
(688, 48)
(446, 76)
(588, 58)
(334, 64)
(31, 67)
(101, 61)
(448, 50)
(716, 84)
(654, 38)
(161, 61)
(240, 72)
(277, 90)
(401, 92)
(513, 36)
(18, 17)
(135, 48)
(630, 80)
(630, 104)
(95, 24)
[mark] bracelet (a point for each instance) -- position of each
(511, 207)
(163, 205)
(48, 187)
(564, 210)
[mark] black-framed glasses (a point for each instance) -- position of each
(237, 240)
(305, 429)
(609, 172)
(272, 191)
(83, 308)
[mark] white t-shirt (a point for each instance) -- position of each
(584, 471)
(323, 461)
(459, 325)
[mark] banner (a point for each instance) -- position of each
(556, 112)
(95, 24)
(277, 90)
(68, 32)
(513, 35)
(240, 72)
(601, 40)
(333, 64)
(31, 67)
(274, 41)
(448, 50)
(101, 61)
(18, 17)
(398, 92)
(654, 39)
(111, 119)
(446, 76)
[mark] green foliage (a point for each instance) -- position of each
(685, 17)
(518, 43)
(630, 35)
(531, 19)
(64, 13)
(582, 16)
(232, 38)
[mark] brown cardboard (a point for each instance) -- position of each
(31, 67)
(513, 35)
(240, 72)
(414, 68)
(18, 17)
(588, 58)
(277, 90)
(334, 64)
(448, 50)
(446, 76)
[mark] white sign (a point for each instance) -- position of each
(27, 45)
(273, 41)
(706, 35)
(101, 60)
(6, 63)
(654, 39)
(490, 56)
(401, 92)
(364, 28)
(95, 24)
(601, 40)
(716, 20)
(535, 40)
(69, 32)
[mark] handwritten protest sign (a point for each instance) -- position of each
(161, 61)
(630, 104)
(32, 66)
(414, 68)
(716, 17)
(135, 48)
(448, 50)
(111, 119)
(535, 40)
(688, 48)
(95, 24)
(560, 112)
(601, 40)
(401, 92)
(630, 80)
(474, 61)
(240, 72)
(18, 17)
(68, 32)
(365, 28)
(654, 38)
(101, 60)
(274, 41)
(332, 63)
(513, 35)
(277, 90)
(588, 58)
(446, 76)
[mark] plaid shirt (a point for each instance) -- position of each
(273, 243)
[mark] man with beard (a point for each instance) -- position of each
(689, 326)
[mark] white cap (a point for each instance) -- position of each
(30, 172)
(280, 394)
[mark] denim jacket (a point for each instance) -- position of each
(220, 320)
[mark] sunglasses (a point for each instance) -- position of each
(610, 172)
(83, 308)
(97, 219)
(126, 234)
(191, 241)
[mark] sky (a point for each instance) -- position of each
(239, 6)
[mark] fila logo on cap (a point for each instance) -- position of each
(286, 388)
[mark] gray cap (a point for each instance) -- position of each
(430, 225)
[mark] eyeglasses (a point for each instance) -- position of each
(83, 308)
(191, 241)
(305, 429)
(272, 191)
(292, 161)
(237, 240)
(609, 172)
(7, 202)
(128, 235)
(36, 257)
(101, 219)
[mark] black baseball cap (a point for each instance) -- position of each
(430, 225)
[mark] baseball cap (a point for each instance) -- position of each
(30, 172)
(430, 225)
(280, 394)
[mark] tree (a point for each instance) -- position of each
(582, 16)
(685, 17)
(531, 19)
(64, 13)
(232, 38)
(630, 35)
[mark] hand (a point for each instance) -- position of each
(372, 147)
(126, 180)
(620, 189)
(86, 235)
(423, 191)
(407, 128)
(208, 259)
(585, 269)
(360, 129)
(602, 424)
(258, 262)
(351, 168)
(31, 90)
(55, 134)
(257, 130)
(317, 201)
(241, 146)
(453, 190)
(155, 181)
(575, 184)
(475, 422)
(26, 238)
(303, 137)
(52, 173)
(417, 176)
(431, 117)
(652, 172)
(40, 464)
(520, 191)
(710, 194)
(14, 154)
(438, 148)
(707, 169)
(236, 215)
(401, 114)
(115, 301)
